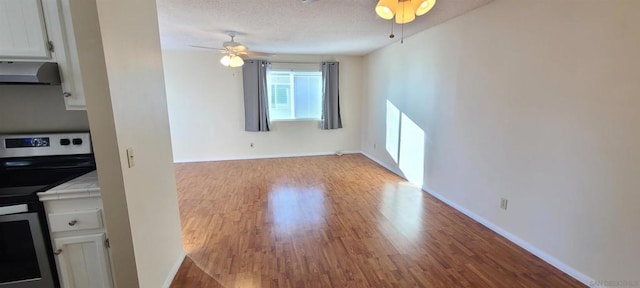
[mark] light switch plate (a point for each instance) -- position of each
(130, 159)
(503, 203)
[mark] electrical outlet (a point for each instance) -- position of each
(503, 203)
(130, 159)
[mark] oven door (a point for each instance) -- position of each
(24, 261)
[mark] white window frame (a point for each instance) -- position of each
(299, 69)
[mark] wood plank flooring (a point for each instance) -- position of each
(336, 221)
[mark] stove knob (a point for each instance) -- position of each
(65, 142)
(77, 141)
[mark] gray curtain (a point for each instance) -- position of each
(256, 108)
(331, 96)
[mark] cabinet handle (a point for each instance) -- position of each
(66, 94)
(57, 252)
(73, 222)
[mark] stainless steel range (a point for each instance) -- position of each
(29, 164)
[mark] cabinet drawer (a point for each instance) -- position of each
(77, 220)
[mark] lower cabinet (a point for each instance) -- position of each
(79, 237)
(83, 261)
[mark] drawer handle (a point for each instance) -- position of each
(73, 222)
(57, 252)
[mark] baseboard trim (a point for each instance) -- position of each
(174, 270)
(515, 239)
(502, 232)
(250, 157)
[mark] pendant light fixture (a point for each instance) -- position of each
(236, 61)
(225, 60)
(231, 60)
(404, 11)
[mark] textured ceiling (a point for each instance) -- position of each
(322, 27)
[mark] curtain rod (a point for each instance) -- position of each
(281, 62)
(287, 62)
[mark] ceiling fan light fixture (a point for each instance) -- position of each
(236, 61)
(225, 60)
(386, 9)
(233, 52)
(405, 13)
(421, 7)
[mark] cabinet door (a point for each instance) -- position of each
(83, 261)
(23, 34)
(65, 20)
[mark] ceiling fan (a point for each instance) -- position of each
(233, 51)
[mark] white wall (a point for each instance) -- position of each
(121, 63)
(535, 101)
(206, 112)
(37, 108)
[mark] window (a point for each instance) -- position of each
(294, 94)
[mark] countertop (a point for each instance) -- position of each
(84, 186)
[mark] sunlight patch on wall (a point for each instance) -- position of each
(412, 151)
(405, 143)
(393, 130)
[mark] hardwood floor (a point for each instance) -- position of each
(190, 275)
(336, 221)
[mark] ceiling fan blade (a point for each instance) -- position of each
(210, 48)
(252, 53)
(239, 49)
(232, 45)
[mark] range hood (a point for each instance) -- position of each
(29, 73)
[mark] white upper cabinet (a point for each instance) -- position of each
(45, 30)
(23, 34)
(62, 26)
